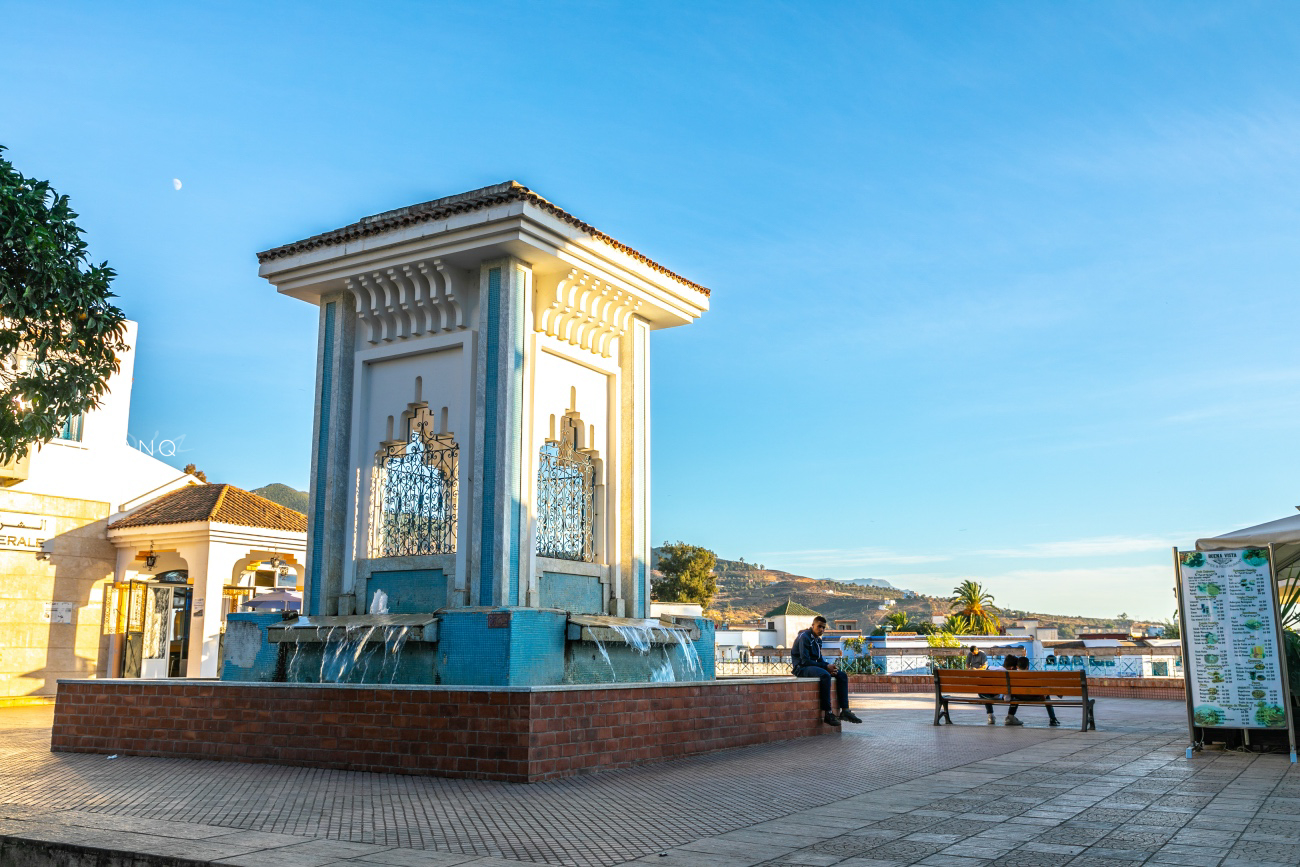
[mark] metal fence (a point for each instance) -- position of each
(1094, 666)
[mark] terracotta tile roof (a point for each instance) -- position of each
(440, 209)
(222, 504)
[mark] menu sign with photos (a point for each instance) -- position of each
(1229, 620)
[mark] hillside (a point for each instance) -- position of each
(284, 495)
(746, 591)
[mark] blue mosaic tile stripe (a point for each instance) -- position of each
(487, 559)
(322, 461)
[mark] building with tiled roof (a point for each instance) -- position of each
(220, 504)
(790, 608)
(56, 566)
(202, 549)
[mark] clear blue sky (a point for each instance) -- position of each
(1001, 290)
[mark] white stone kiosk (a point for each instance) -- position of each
(482, 431)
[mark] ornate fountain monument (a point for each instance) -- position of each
(478, 550)
(481, 451)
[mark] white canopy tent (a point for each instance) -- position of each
(1283, 534)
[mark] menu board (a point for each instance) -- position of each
(1229, 620)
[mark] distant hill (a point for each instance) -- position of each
(747, 591)
(870, 582)
(284, 495)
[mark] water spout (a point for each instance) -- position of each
(379, 603)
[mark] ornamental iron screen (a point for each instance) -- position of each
(566, 496)
(413, 494)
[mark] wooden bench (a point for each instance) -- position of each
(1024, 687)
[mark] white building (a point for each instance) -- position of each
(55, 558)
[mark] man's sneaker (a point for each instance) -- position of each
(831, 720)
(849, 716)
(1012, 721)
(1054, 722)
(992, 721)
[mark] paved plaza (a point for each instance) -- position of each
(893, 791)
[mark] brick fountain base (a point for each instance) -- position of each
(516, 734)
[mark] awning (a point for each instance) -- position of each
(1283, 534)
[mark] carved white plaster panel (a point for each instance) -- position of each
(409, 300)
(584, 311)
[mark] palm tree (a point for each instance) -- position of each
(958, 625)
(899, 620)
(970, 601)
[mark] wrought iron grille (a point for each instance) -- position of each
(566, 502)
(413, 494)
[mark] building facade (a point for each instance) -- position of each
(56, 561)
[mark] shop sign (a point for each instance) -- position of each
(57, 612)
(22, 531)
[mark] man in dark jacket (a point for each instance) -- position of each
(806, 655)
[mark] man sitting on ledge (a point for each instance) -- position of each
(806, 654)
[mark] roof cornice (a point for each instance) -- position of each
(448, 206)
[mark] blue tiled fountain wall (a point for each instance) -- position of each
(476, 646)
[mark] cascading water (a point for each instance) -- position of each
(643, 637)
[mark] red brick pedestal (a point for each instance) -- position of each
(517, 734)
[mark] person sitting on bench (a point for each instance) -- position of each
(1009, 663)
(807, 659)
(1051, 714)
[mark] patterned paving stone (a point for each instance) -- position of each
(956, 805)
(1162, 819)
(964, 827)
(1107, 815)
(906, 851)
(1133, 840)
(1071, 835)
(1196, 801)
(1285, 853)
(908, 822)
(846, 846)
(1022, 858)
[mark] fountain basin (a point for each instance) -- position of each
(373, 628)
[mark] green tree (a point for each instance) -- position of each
(1171, 628)
(899, 619)
(59, 334)
(956, 624)
(688, 574)
(972, 602)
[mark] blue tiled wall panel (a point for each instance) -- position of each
(414, 591)
(246, 654)
(529, 651)
(577, 594)
(468, 652)
(536, 647)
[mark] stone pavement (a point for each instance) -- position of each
(894, 791)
